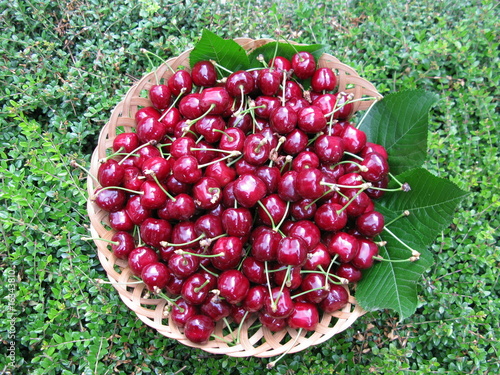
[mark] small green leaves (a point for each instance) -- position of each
(225, 52)
(431, 203)
(399, 122)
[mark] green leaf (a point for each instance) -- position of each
(431, 203)
(270, 50)
(225, 52)
(399, 122)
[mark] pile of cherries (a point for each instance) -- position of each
(247, 195)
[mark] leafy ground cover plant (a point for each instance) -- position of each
(64, 67)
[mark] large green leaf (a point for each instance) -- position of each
(225, 52)
(399, 122)
(286, 50)
(431, 203)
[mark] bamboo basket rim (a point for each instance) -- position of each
(259, 342)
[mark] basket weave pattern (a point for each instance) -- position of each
(152, 310)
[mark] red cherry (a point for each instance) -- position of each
(303, 64)
(156, 276)
(140, 257)
(233, 286)
(204, 74)
(160, 96)
(199, 328)
(305, 316)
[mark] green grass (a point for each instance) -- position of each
(65, 65)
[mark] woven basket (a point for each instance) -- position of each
(151, 310)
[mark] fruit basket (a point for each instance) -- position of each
(253, 339)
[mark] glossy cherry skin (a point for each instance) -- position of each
(256, 149)
(237, 222)
(309, 183)
(343, 111)
(305, 316)
(204, 74)
(269, 80)
(364, 258)
(272, 323)
(291, 279)
(335, 300)
(254, 270)
(185, 169)
(323, 79)
(233, 286)
(329, 217)
(153, 196)
(354, 139)
(160, 96)
(329, 148)
(311, 120)
(292, 251)
(199, 328)
(296, 141)
(189, 106)
(140, 257)
(181, 208)
(206, 193)
(240, 83)
(265, 244)
(272, 209)
(125, 142)
(287, 189)
(283, 120)
(303, 65)
(182, 312)
(280, 63)
(184, 234)
(315, 284)
(145, 112)
(349, 272)
(180, 83)
(110, 200)
(153, 231)
(308, 231)
(229, 250)
(377, 166)
(156, 168)
(120, 221)
(150, 130)
(208, 225)
(303, 209)
(279, 303)
(136, 211)
(343, 245)
(183, 265)
(249, 189)
(265, 105)
(215, 307)
(214, 100)
(254, 300)
(370, 224)
(156, 276)
(123, 244)
(317, 257)
(110, 173)
(195, 289)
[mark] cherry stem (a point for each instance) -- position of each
(268, 279)
(217, 65)
(375, 100)
(208, 271)
(213, 149)
(134, 151)
(226, 322)
(271, 365)
(353, 198)
(324, 287)
(100, 239)
(274, 303)
(240, 326)
(362, 168)
(230, 155)
(177, 98)
(410, 259)
(198, 288)
(353, 155)
(277, 228)
(116, 188)
(101, 281)
(166, 244)
(169, 300)
(74, 164)
(153, 175)
(229, 137)
(184, 252)
(414, 252)
(263, 206)
(194, 121)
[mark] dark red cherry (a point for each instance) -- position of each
(183, 265)
(330, 217)
(376, 167)
(254, 300)
(370, 223)
(136, 211)
(199, 329)
(296, 141)
(254, 270)
(280, 63)
(195, 289)
(240, 83)
(303, 65)
(265, 105)
(185, 169)
(233, 286)
(145, 112)
(272, 209)
(364, 258)
(272, 323)
(120, 221)
(237, 222)
(215, 307)
(189, 106)
(182, 312)
(153, 231)
(349, 272)
(323, 79)
(180, 83)
(309, 183)
(150, 130)
(214, 100)
(256, 149)
(292, 251)
(279, 303)
(140, 257)
(123, 244)
(311, 120)
(305, 316)
(317, 257)
(265, 244)
(160, 96)
(206, 193)
(354, 139)
(269, 80)
(110, 200)
(344, 108)
(283, 120)
(156, 276)
(343, 245)
(156, 168)
(153, 196)
(329, 148)
(125, 142)
(308, 231)
(249, 189)
(110, 173)
(228, 251)
(335, 300)
(204, 74)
